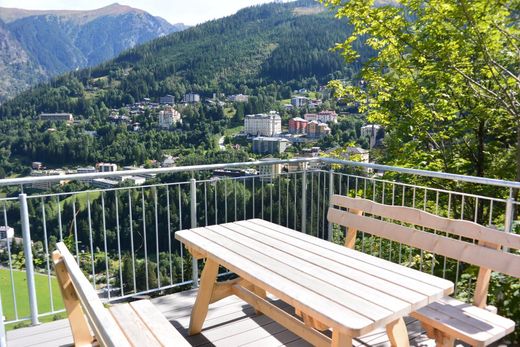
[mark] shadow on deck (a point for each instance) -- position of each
(230, 322)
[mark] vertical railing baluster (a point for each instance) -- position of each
(253, 196)
(304, 201)
(91, 239)
(181, 247)
(47, 255)
(59, 218)
(105, 242)
(287, 182)
(295, 217)
(76, 240)
(225, 200)
(157, 238)
(244, 194)
(10, 262)
(331, 193)
(206, 203)
(132, 248)
(145, 241)
(118, 234)
(193, 213)
(29, 265)
(318, 205)
(168, 220)
(235, 192)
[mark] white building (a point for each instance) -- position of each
(238, 98)
(57, 117)
(263, 124)
(299, 101)
(191, 98)
(106, 167)
(169, 117)
(323, 116)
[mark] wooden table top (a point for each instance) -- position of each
(345, 289)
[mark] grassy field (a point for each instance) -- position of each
(20, 287)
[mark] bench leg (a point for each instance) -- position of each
(340, 339)
(200, 308)
(397, 333)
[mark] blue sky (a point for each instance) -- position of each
(175, 11)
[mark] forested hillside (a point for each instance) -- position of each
(258, 46)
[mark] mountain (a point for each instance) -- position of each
(54, 42)
(258, 46)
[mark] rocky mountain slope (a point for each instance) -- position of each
(36, 45)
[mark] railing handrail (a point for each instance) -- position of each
(427, 173)
(206, 167)
(163, 170)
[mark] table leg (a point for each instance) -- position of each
(340, 339)
(261, 293)
(200, 308)
(398, 333)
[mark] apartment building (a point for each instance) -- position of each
(169, 117)
(263, 124)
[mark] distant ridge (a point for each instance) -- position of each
(46, 43)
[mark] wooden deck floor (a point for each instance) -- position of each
(230, 322)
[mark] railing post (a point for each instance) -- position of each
(508, 222)
(3, 339)
(304, 200)
(331, 192)
(29, 266)
(193, 208)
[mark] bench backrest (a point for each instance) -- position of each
(475, 244)
(80, 300)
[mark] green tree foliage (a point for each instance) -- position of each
(444, 83)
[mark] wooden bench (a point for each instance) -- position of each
(135, 324)
(446, 319)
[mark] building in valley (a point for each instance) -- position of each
(263, 124)
(169, 117)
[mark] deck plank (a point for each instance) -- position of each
(230, 323)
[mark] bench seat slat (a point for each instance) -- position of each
(132, 326)
(468, 323)
(159, 326)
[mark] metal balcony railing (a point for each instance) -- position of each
(123, 238)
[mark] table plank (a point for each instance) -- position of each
(335, 316)
(387, 294)
(352, 302)
(330, 312)
(316, 270)
(425, 283)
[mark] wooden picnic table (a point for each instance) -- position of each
(329, 286)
